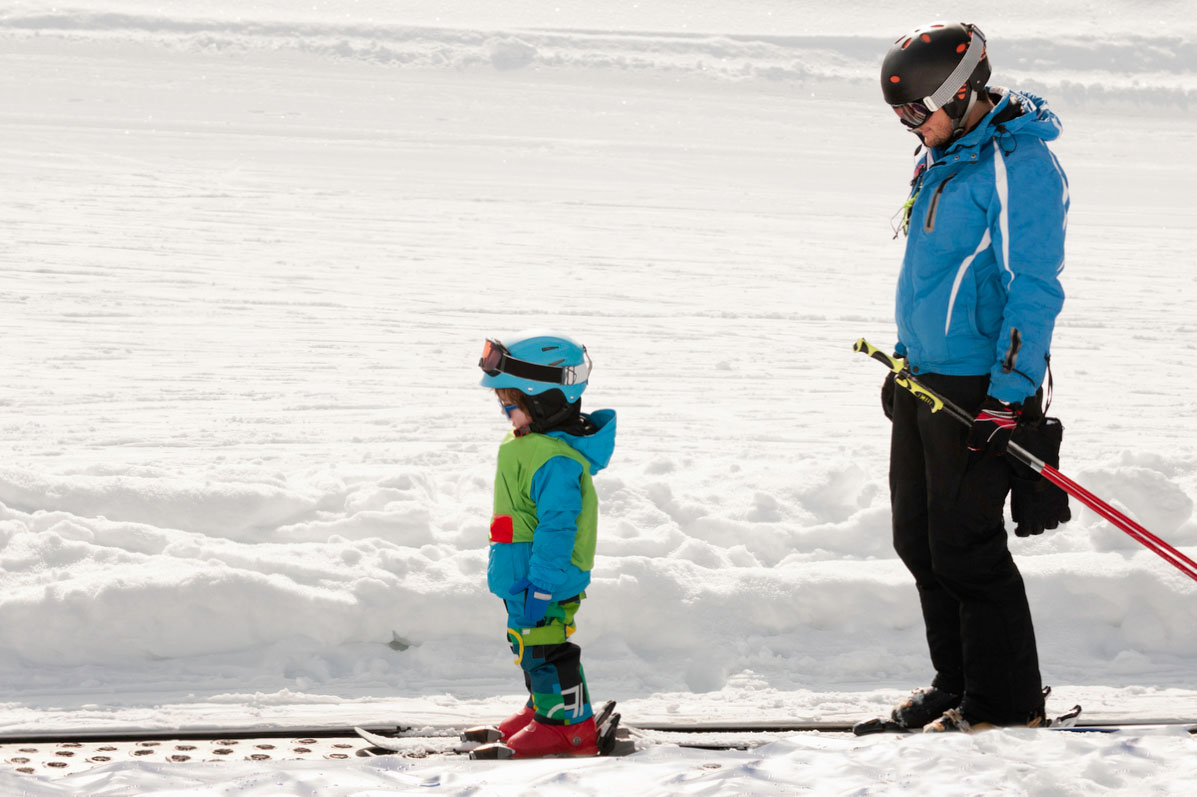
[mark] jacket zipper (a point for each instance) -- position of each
(929, 224)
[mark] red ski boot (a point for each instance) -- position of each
(516, 722)
(538, 740)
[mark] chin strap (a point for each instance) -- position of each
(958, 124)
(551, 410)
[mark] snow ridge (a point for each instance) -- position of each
(1137, 68)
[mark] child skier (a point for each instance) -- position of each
(542, 532)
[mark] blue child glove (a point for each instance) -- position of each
(536, 601)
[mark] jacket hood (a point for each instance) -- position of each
(1036, 119)
(598, 446)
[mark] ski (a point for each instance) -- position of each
(1067, 721)
(482, 734)
(484, 742)
(75, 750)
(415, 746)
(309, 735)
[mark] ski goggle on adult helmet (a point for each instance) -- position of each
(535, 362)
(932, 68)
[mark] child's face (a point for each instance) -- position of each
(518, 417)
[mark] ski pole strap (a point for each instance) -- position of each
(902, 376)
(1011, 358)
(1047, 358)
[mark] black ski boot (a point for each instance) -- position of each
(923, 706)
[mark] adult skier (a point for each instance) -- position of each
(985, 223)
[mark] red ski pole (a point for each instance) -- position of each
(903, 378)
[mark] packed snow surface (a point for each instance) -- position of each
(252, 251)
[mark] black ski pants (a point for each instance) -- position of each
(949, 531)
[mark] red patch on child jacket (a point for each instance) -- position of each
(502, 529)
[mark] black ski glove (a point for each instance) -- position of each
(992, 427)
(888, 389)
(1035, 503)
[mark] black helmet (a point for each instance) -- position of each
(941, 65)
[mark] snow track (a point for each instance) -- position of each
(62, 754)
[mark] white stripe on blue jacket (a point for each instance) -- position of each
(985, 250)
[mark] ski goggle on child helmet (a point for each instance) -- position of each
(536, 362)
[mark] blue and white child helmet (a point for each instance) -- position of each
(536, 361)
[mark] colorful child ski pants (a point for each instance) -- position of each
(552, 666)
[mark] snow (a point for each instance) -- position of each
(252, 250)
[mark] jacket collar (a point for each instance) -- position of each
(1014, 112)
(985, 129)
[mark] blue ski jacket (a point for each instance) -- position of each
(556, 490)
(985, 249)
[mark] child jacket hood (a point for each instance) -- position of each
(598, 446)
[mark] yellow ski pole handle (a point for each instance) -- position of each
(895, 364)
(902, 377)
